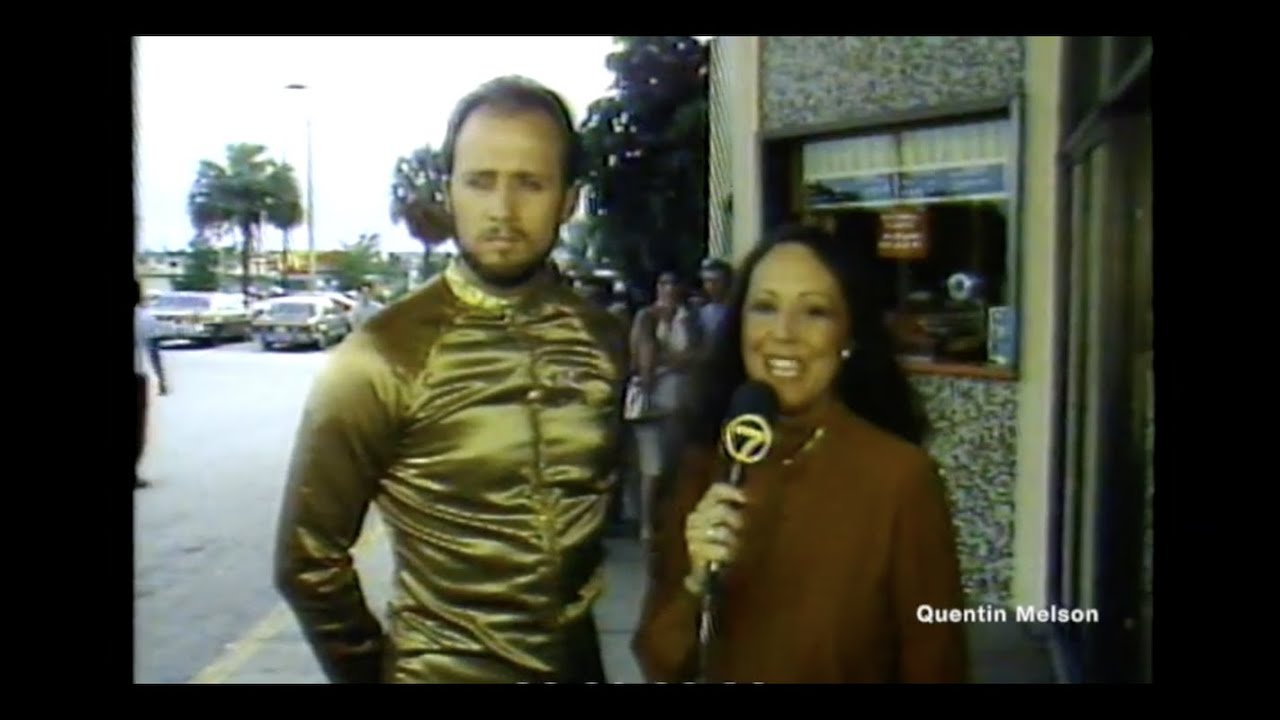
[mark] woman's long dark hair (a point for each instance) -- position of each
(870, 383)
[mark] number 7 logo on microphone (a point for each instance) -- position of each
(747, 438)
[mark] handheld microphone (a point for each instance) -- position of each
(746, 440)
(748, 432)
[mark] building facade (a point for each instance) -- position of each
(983, 177)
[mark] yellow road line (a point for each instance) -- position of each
(251, 643)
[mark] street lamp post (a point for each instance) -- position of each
(284, 243)
(311, 213)
(311, 228)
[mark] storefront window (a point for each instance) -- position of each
(929, 208)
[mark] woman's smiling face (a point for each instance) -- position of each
(795, 323)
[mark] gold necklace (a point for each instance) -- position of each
(809, 444)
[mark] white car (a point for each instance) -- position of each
(202, 317)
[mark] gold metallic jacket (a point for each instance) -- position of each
(485, 430)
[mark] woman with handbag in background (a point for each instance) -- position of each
(665, 341)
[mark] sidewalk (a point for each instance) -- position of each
(275, 653)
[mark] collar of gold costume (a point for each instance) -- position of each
(472, 294)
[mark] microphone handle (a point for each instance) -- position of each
(705, 631)
(735, 474)
(735, 479)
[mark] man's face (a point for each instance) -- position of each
(715, 284)
(507, 193)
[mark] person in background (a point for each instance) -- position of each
(717, 277)
(665, 341)
(840, 534)
(146, 347)
(366, 306)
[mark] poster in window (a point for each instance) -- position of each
(851, 191)
(904, 233)
(964, 181)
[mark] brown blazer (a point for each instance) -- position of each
(843, 543)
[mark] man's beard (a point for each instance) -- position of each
(505, 278)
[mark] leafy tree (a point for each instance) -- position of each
(243, 195)
(395, 266)
(200, 271)
(647, 155)
(358, 261)
(417, 196)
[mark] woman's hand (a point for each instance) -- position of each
(712, 530)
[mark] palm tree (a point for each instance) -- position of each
(417, 196)
(284, 211)
(247, 192)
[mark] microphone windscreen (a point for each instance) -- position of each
(754, 398)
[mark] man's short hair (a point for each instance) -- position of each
(515, 93)
(712, 264)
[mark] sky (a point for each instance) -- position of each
(369, 100)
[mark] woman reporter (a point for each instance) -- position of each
(842, 532)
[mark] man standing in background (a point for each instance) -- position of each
(366, 307)
(717, 278)
(145, 347)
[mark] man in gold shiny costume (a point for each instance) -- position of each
(481, 415)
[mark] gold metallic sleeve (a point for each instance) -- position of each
(343, 445)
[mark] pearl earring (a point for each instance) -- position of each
(845, 353)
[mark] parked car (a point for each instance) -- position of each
(201, 317)
(301, 320)
(347, 304)
(257, 307)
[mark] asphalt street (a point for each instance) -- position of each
(218, 445)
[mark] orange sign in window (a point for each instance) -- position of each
(904, 234)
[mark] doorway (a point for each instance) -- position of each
(1102, 529)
